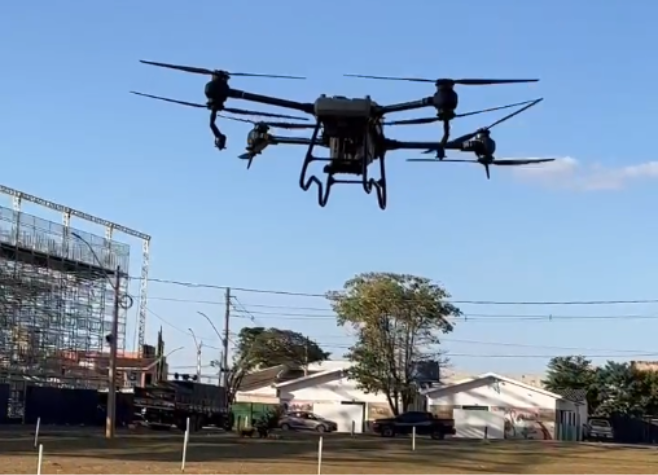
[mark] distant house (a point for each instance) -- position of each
(497, 407)
(645, 365)
(325, 390)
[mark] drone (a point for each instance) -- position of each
(351, 128)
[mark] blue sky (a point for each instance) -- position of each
(582, 230)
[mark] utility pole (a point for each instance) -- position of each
(110, 419)
(227, 320)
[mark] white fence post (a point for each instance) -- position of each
(186, 439)
(40, 459)
(320, 456)
(413, 438)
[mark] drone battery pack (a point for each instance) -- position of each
(343, 107)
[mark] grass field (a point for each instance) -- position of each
(154, 452)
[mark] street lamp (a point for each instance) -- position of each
(121, 300)
(223, 356)
(198, 345)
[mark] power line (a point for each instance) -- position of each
(180, 330)
(245, 312)
(454, 301)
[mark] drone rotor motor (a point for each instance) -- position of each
(217, 90)
(445, 100)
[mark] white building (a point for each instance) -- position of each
(330, 394)
(325, 391)
(503, 408)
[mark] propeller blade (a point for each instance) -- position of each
(388, 78)
(467, 137)
(210, 72)
(271, 76)
(174, 101)
(280, 125)
(419, 121)
(249, 157)
(521, 162)
(426, 160)
(447, 82)
(493, 109)
(238, 119)
(288, 125)
(515, 113)
(262, 114)
(429, 120)
(487, 170)
(487, 82)
(186, 69)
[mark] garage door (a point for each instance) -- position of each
(341, 414)
(471, 424)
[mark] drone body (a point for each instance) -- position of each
(351, 129)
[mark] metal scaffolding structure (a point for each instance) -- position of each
(56, 299)
(105, 247)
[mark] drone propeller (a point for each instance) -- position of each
(447, 82)
(456, 143)
(429, 120)
(274, 125)
(486, 130)
(216, 72)
(226, 109)
(487, 163)
(504, 162)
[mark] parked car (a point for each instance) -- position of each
(598, 428)
(424, 422)
(302, 420)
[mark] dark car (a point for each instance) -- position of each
(424, 422)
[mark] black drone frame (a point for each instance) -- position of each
(324, 189)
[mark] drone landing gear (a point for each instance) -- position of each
(343, 167)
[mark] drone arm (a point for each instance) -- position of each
(407, 106)
(272, 101)
(274, 140)
(399, 145)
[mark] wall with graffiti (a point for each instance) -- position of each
(528, 422)
(520, 422)
(297, 405)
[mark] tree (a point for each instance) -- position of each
(398, 319)
(615, 388)
(572, 373)
(261, 347)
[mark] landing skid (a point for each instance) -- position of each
(324, 189)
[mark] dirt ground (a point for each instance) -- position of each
(152, 452)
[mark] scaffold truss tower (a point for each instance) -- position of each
(110, 228)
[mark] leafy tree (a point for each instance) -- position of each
(627, 390)
(615, 388)
(261, 347)
(573, 372)
(398, 319)
(615, 385)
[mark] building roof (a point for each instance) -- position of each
(457, 385)
(283, 374)
(311, 377)
(269, 377)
